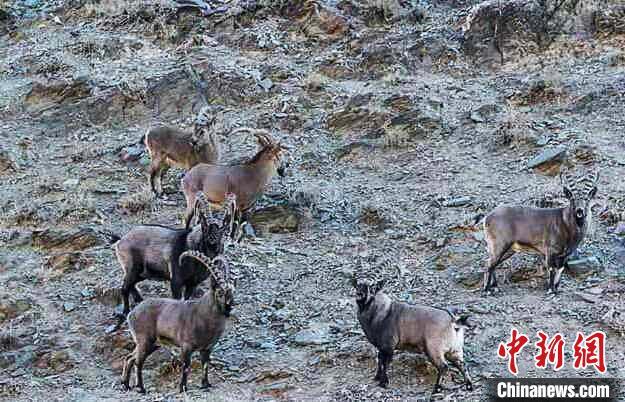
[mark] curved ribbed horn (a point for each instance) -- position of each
(204, 205)
(224, 268)
(204, 260)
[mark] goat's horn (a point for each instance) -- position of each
(203, 259)
(204, 204)
(224, 269)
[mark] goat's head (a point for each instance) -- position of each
(275, 151)
(580, 192)
(366, 289)
(222, 285)
(205, 123)
(209, 224)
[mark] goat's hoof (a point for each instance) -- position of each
(125, 387)
(206, 386)
(141, 390)
(384, 383)
(468, 386)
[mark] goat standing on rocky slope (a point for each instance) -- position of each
(152, 252)
(192, 325)
(390, 326)
(553, 233)
(170, 146)
(247, 181)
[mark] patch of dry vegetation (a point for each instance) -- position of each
(136, 202)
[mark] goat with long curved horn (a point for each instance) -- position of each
(246, 180)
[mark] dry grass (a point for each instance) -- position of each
(136, 202)
(514, 130)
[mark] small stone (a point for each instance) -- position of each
(587, 297)
(266, 84)
(457, 202)
(132, 153)
(620, 229)
(476, 117)
(70, 183)
(6, 162)
(87, 293)
(318, 335)
(69, 306)
(584, 267)
(549, 160)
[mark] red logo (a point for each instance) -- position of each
(587, 351)
(551, 352)
(590, 351)
(511, 349)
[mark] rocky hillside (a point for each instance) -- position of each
(408, 121)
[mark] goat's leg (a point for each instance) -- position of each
(130, 280)
(163, 171)
(556, 279)
(205, 356)
(136, 295)
(441, 366)
(188, 216)
(143, 350)
(494, 259)
(176, 282)
(186, 367)
(154, 169)
(129, 363)
(459, 364)
(551, 264)
(387, 358)
(378, 374)
(189, 290)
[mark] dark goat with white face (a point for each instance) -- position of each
(553, 233)
(391, 326)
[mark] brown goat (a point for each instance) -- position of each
(553, 233)
(246, 180)
(193, 325)
(170, 146)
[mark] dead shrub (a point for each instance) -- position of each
(136, 202)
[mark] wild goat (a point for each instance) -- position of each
(192, 325)
(247, 180)
(391, 326)
(152, 252)
(553, 233)
(170, 146)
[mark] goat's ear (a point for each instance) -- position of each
(379, 285)
(567, 193)
(592, 193)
